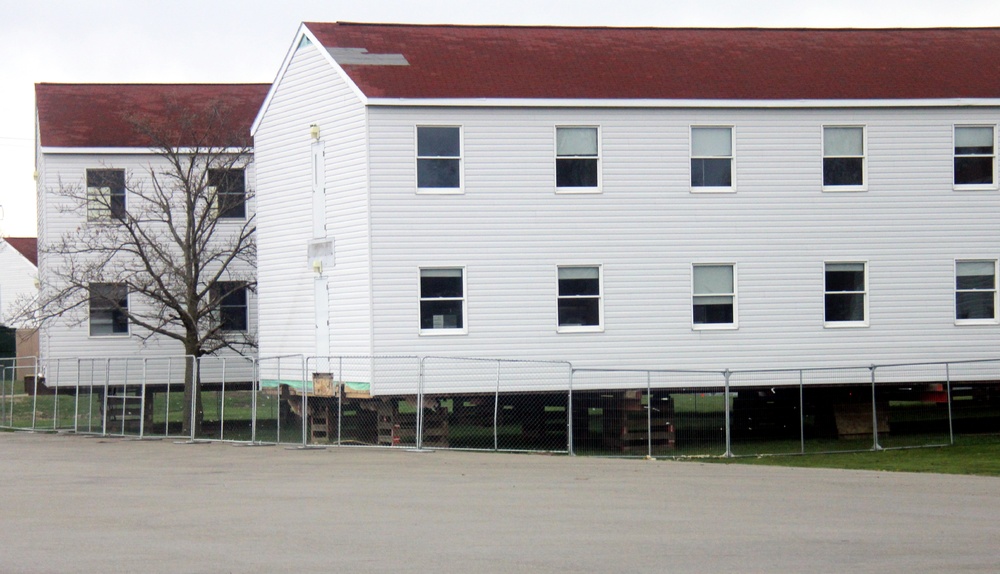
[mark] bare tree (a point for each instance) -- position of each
(159, 255)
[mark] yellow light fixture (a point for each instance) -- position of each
(314, 131)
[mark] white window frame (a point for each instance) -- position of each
(735, 295)
(128, 304)
(599, 328)
(555, 170)
(461, 161)
(864, 158)
(993, 163)
(218, 286)
(996, 302)
(444, 331)
(731, 188)
(98, 213)
(213, 191)
(865, 293)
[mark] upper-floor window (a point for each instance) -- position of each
(439, 158)
(442, 300)
(227, 188)
(579, 299)
(712, 158)
(108, 307)
(233, 310)
(105, 194)
(578, 159)
(713, 296)
(975, 291)
(846, 294)
(843, 158)
(975, 156)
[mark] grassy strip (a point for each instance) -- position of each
(972, 454)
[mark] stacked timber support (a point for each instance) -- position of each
(397, 428)
(628, 426)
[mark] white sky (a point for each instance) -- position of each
(245, 40)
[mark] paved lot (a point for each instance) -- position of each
(77, 504)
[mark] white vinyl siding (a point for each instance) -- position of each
(69, 335)
(17, 283)
(312, 92)
(515, 232)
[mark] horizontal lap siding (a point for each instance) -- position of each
(310, 92)
(68, 336)
(510, 230)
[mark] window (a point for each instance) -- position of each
(439, 158)
(975, 291)
(231, 298)
(442, 300)
(714, 296)
(577, 158)
(844, 158)
(846, 299)
(108, 309)
(105, 194)
(712, 157)
(579, 299)
(974, 155)
(228, 189)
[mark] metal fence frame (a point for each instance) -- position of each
(426, 379)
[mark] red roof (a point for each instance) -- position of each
(671, 63)
(27, 246)
(96, 115)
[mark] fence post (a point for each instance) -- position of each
(342, 389)
(729, 450)
(649, 416)
(951, 425)
(254, 387)
(569, 412)
(34, 396)
(305, 402)
(107, 380)
(420, 404)
(222, 404)
(496, 412)
(875, 444)
(802, 416)
(195, 390)
(55, 398)
(142, 399)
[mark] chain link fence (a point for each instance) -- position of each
(503, 405)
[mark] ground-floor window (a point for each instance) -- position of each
(579, 298)
(442, 300)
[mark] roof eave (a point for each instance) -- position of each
(682, 103)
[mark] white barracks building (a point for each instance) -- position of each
(644, 198)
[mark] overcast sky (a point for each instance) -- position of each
(245, 41)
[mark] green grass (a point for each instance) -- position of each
(971, 454)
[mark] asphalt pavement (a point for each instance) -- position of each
(71, 503)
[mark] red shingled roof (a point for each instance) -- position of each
(27, 246)
(671, 63)
(94, 115)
